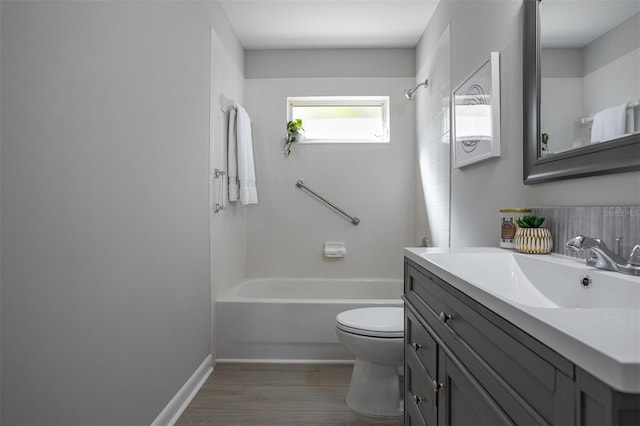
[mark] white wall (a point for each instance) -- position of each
(105, 242)
(433, 143)
(0, 215)
(375, 182)
(480, 190)
(227, 226)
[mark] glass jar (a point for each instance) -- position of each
(508, 225)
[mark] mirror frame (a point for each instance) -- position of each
(617, 156)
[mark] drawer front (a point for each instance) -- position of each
(419, 395)
(465, 401)
(419, 342)
(412, 416)
(490, 353)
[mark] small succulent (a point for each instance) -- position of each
(530, 221)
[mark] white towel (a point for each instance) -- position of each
(246, 167)
(232, 156)
(609, 123)
(630, 124)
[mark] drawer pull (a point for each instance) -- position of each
(444, 317)
(416, 346)
(436, 386)
(416, 399)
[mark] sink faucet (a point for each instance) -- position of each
(603, 258)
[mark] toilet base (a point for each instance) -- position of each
(375, 389)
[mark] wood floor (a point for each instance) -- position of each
(276, 394)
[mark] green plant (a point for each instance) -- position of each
(294, 128)
(530, 221)
(544, 140)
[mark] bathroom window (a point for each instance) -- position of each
(341, 119)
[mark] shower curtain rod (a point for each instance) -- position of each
(353, 219)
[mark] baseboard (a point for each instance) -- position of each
(174, 409)
(283, 361)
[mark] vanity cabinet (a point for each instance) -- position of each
(464, 364)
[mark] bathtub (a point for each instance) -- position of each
(293, 319)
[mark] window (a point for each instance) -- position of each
(342, 119)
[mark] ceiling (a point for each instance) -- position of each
(308, 24)
(572, 23)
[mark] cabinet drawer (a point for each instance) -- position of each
(420, 343)
(419, 395)
(504, 364)
(412, 416)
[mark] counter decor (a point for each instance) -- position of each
(531, 237)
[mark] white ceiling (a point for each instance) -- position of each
(304, 24)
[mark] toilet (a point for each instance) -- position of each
(376, 337)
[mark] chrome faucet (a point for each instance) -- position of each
(603, 258)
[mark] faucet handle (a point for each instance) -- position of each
(618, 248)
(634, 257)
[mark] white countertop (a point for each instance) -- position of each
(604, 342)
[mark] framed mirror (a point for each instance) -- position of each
(553, 152)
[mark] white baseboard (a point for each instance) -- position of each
(174, 409)
(284, 361)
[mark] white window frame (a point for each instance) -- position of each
(338, 101)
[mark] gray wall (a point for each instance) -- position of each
(480, 190)
(301, 63)
(104, 172)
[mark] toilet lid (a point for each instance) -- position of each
(376, 322)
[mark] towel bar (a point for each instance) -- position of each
(589, 119)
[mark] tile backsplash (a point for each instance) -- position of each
(604, 222)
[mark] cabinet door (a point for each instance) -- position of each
(462, 400)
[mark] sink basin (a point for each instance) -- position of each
(543, 281)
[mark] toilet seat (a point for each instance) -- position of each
(385, 322)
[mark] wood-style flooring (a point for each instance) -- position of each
(276, 394)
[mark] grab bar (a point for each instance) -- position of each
(353, 219)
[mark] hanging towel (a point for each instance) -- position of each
(232, 156)
(609, 123)
(246, 167)
(630, 124)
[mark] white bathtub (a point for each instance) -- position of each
(293, 319)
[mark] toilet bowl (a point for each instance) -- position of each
(376, 337)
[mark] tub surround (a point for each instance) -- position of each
(604, 342)
(293, 319)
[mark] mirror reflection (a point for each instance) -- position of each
(590, 72)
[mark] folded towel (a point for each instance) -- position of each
(232, 156)
(246, 167)
(609, 123)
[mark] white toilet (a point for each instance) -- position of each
(376, 337)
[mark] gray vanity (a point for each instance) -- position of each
(486, 348)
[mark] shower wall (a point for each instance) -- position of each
(227, 227)
(433, 146)
(286, 231)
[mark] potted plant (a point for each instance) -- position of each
(295, 133)
(531, 237)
